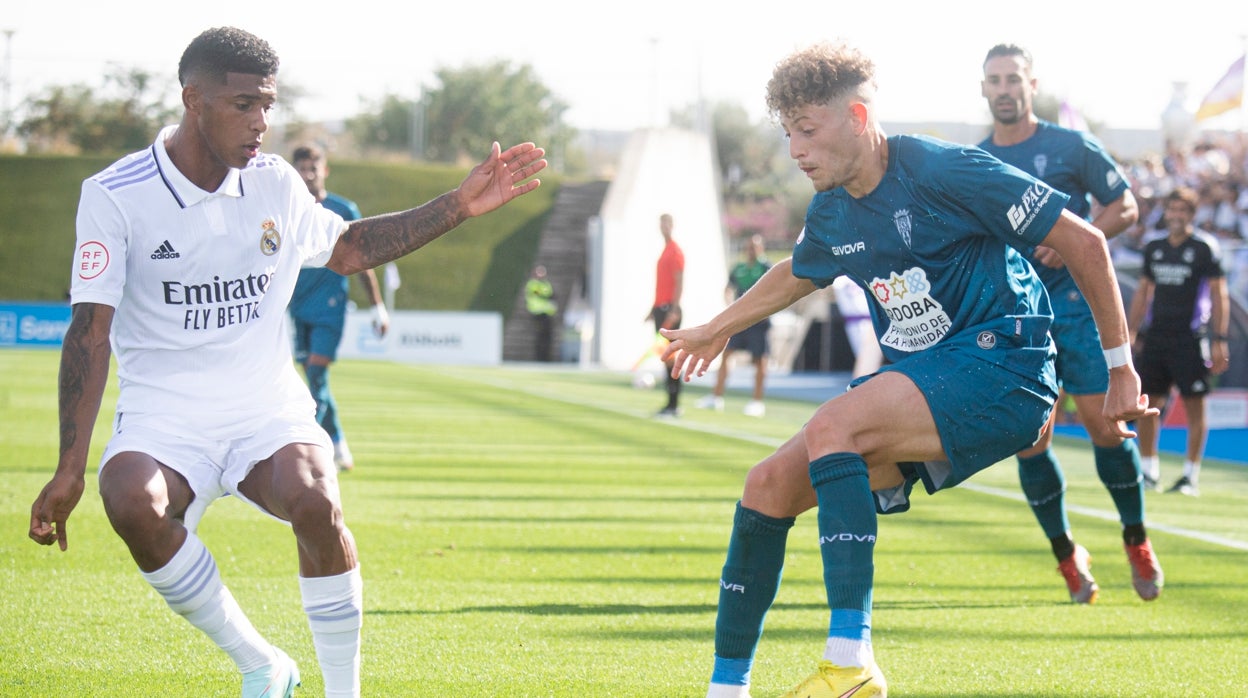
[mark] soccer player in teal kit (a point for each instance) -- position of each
(935, 234)
(318, 307)
(1076, 164)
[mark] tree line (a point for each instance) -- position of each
(459, 117)
(452, 121)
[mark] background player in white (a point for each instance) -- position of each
(1077, 165)
(188, 252)
(852, 301)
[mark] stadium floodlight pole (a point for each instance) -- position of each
(419, 135)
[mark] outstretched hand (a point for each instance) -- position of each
(500, 178)
(691, 351)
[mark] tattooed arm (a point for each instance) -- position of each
(501, 177)
(84, 373)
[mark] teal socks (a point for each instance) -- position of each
(847, 531)
(747, 588)
(1045, 488)
(1119, 469)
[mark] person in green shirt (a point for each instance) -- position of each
(752, 339)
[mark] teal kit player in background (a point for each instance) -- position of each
(935, 234)
(1075, 164)
(319, 307)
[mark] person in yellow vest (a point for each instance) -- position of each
(539, 300)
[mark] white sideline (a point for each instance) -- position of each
(1112, 516)
(767, 441)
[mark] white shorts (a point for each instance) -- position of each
(213, 458)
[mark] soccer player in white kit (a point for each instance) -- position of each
(187, 256)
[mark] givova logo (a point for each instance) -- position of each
(847, 538)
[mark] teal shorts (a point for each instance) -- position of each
(1081, 367)
(990, 394)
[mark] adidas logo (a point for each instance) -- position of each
(165, 251)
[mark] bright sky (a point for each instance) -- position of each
(623, 65)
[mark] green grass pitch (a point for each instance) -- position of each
(531, 532)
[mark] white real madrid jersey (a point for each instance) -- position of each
(200, 281)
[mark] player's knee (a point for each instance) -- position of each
(134, 512)
(759, 479)
(315, 509)
(771, 490)
(831, 431)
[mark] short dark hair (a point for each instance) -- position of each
(1009, 50)
(307, 152)
(223, 50)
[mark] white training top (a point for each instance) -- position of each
(200, 281)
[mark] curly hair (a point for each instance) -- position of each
(817, 75)
(223, 50)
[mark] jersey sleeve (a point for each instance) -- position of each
(325, 227)
(318, 227)
(812, 259)
(1006, 201)
(99, 267)
(1213, 263)
(1101, 175)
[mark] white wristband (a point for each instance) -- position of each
(380, 317)
(1118, 356)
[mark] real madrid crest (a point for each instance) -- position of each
(270, 238)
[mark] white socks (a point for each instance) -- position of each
(844, 652)
(720, 690)
(192, 587)
(1191, 471)
(335, 608)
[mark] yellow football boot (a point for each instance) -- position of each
(832, 681)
